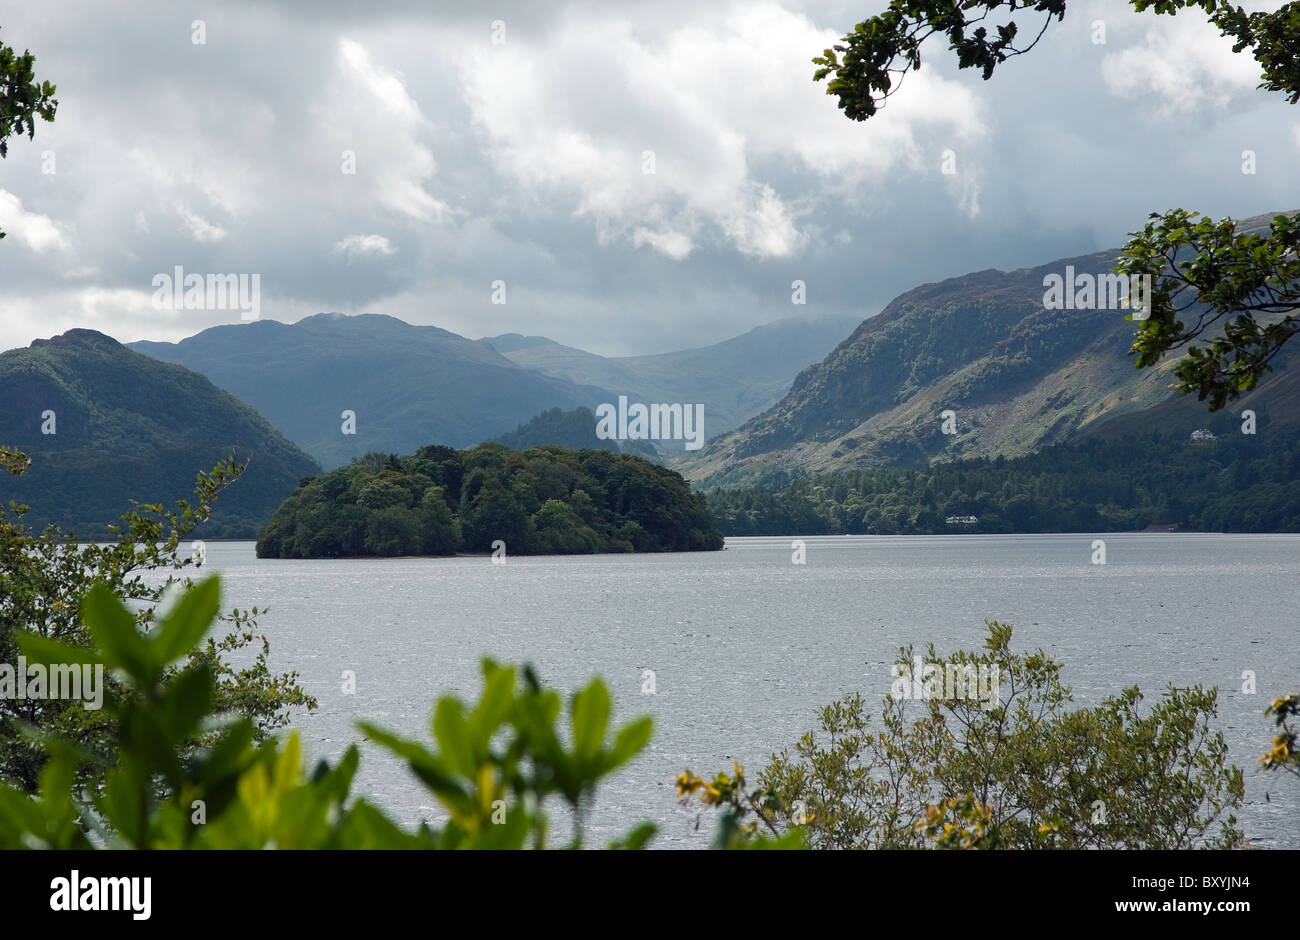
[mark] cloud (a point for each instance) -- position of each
(1185, 66)
(670, 161)
(121, 313)
(763, 225)
(360, 246)
(962, 179)
(38, 232)
(695, 126)
(372, 117)
(199, 228)
(674, 245)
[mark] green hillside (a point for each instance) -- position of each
(1232, 482)
(574, 429)
(127, 427)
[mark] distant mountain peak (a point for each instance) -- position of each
(512, 342)
(79, 337)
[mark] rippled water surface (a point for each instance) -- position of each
(745, 646)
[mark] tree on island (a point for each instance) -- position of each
(544, 500)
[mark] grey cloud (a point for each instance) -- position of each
(245, 133)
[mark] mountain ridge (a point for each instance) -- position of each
(734, 378)
(411, 385)
(407, 385)
(1016, 375)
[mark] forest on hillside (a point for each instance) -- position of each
(574, 429)
(1234, 483)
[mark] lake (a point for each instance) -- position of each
(745, 646)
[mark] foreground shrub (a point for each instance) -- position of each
(1028, 772)
(43, 577)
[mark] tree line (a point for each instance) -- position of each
(1234, 483)
(439, 501)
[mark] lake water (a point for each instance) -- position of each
(746, 646)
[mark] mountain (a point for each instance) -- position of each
(127, 427)
(574, 429)
(1017, 376)
(734, 379)
(412, 385)
(407, 385)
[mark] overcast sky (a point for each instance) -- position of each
(523, 161)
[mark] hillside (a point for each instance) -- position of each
(408, 385)
(574, 429)
(128, 427)
(1164, 480)
(734, 379)
(1017, 375)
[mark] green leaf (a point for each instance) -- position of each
(42, 649)
(114, 629)
(590, 718)
(629, 742)
(145, 737)
(188, 621)
(366, 827)
(434, 773)
(636, 840)
(453, 736)
(122, 804)
(494, 706)
(187, 699)
(230, 755)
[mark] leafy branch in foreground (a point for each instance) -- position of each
(1217, 279)
(45, 576)
(22, 98)
(731, 793)
(494, 768)
(868, 65)
(1026, 772)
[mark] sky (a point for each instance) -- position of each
(626, 177)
